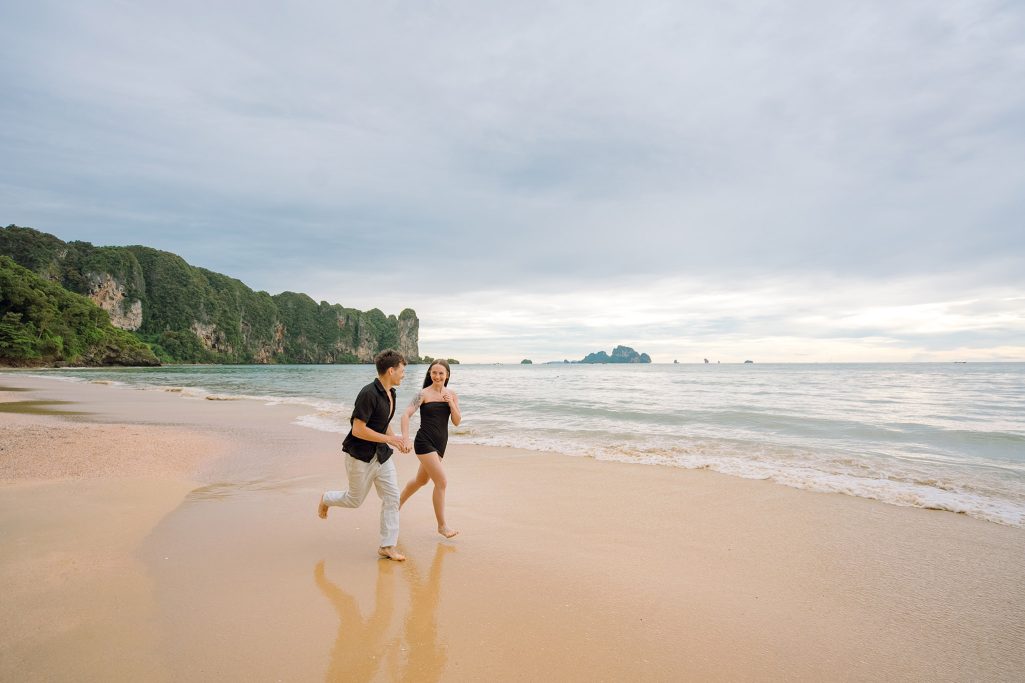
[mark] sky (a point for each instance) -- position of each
(782, 182)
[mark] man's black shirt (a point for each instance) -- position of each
(374, 408)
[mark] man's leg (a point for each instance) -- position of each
(387, 483)
(361, 475)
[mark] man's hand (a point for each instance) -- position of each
(399, 443)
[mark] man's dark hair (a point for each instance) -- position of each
(389, 358)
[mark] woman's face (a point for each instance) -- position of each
(438, 374)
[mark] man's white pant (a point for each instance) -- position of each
(385, 480)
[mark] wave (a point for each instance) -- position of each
(998, 499)
(953, 448)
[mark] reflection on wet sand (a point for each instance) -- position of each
(426, 661)
(363, 644)
(360, 646)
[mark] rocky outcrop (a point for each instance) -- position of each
(109, 294)
(620, 354)
(409, 333)
(211, 338)
(119, 353)
(365, 347)
(265, 351)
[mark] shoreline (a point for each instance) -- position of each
(975, 491)
(216, 565)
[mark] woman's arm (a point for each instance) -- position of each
(453, 404)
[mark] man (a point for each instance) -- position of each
(368, 444)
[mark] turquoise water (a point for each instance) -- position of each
(944, 436)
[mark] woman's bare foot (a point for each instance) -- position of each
(322, 508)
(446, 532)
(390, 553)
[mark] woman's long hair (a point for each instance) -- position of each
(443, 363)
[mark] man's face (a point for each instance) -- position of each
(397, 373)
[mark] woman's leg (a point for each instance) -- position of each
(414, 484)
(431, 463)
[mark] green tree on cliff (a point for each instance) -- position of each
(43, 323)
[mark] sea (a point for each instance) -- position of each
(944, 436)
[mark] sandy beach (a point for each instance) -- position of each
(151, 536)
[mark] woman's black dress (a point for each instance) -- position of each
(432, 437)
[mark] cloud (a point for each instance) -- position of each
(785, 320)
(392, 156)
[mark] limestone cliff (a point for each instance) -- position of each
(189, 314)
(409, 332)
(109, 294)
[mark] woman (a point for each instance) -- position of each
(437, 403)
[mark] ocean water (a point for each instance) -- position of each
(940, 436)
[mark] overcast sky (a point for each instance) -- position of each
(802, 181)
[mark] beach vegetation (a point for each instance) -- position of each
(41, 323)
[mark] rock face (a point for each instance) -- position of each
(109, 295)
(409, 333)
(210, 337)
(189, 314)
(620, 354)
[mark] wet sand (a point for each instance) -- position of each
(192, 551)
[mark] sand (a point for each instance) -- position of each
(158, 537)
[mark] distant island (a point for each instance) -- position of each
(620, 354)
(427, 360)
(526, 361)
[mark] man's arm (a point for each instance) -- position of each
(361, 431)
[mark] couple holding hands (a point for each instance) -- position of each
(370, 441)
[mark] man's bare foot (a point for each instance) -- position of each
(389, 552)
(446, 532)
(322, 508)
